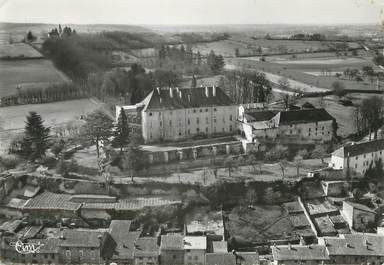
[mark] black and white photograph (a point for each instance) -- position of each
(192, 132)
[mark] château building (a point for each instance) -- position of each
(174, 114)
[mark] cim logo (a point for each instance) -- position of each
(26, 248)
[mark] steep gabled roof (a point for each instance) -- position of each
(304, 116)
(161, 99)
(253, 116)
(124, 239)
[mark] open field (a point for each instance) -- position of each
(303, 72)
(18, 50)
(29, 74)
(250, 47)
(54, 115)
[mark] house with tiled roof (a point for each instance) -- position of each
(172, 249)
(146, 251)
(78, 246)
(220, 259)
(195, 248)
(354, 248)
(358, 157)
(125, 241)
(169, 114)
(358, 216)
(303, 125)
(297, 254)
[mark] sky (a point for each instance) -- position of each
(192, 11)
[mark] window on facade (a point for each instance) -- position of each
(201, 110)
(189, 131)
(161, 124)
(206, 120)
(230, 117)
(214, 109)
(357, 157)
(194, 111)
(81, 253)
(197, 130)
(170, 123)
(214, 129)
(150, 114)
(355, 165)
(197, 120)
(196, 257)
(170, 113)
(214, 119)
(189, 121)
(290, 131)
(206, 130)
(230, 128)
(174, 257)
(179, 133)
(206, 110)
(310, 129)
(322, 128)
(68, 253)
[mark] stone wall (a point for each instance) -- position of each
(195, 152)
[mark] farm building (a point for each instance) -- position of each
(358, 157)
(358, 216)
(296, 254)
(176, 114)
(306, 125)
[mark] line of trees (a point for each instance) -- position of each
(52, 93)
(368, 117)
(246, 86)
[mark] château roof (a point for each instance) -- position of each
(182, 98)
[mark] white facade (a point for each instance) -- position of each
(358, 162)
(194, 250)
(289, 131)
(179, 124)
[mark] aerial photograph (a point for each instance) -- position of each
(192, 132)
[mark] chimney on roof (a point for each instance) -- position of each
(180, 95)
(214, 91)
(171, 92)
(189, 98)
(158, 90)
(206, 92)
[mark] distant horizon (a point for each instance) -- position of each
(214, 24)
(193, 12)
